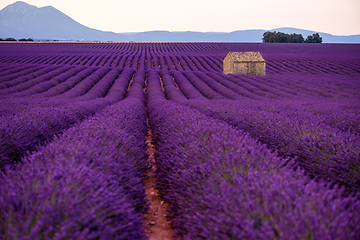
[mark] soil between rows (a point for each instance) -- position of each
(157, 226)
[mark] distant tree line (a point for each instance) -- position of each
(20, 40)
(280, 37)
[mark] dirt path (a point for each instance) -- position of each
(156, 225)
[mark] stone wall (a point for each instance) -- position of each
(233, 63)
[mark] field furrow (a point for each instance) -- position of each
(152, 140)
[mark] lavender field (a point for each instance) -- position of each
(237, 156)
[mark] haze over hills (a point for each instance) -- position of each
(21, 20)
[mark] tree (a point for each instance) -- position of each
(267, 36)
(282, 37)
(26, 40)
(275, 37)
(315, 38)
(296, 38)
(10, 39)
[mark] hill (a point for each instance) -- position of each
(21, 20)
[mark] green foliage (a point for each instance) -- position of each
(315, 38)
(25, 40)
(280, 37)
(295, 38)
(8, 39)
(20, 40)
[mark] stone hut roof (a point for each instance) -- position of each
(246, 56)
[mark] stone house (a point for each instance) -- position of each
(249, 63)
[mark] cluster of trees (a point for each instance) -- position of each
(20, 40)
(280, 37)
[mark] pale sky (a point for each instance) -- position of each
(337, 17)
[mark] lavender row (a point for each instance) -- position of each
(33, 87)
(27, 76)
(202, 86)
(297, 58)
(37, 123)
(230, 86)
(206, 167)
(154, 87)
(22, 131)
(322, 150)
(311, 67)
(93, 83)
(290, 86)
(66, 84)
(319, 85)
(210, 85)
(33, 81)
(258, 88)
(185, 86)
(85, 84)
(224, 91)
(137, 84)
(343, 114)
(236, 87)
(244, 89)
(171, 89)
(11, 106)
(222, 184)
(9, 75)
(277, 50)
(101, 88)
(86, 184)
(181, 86)
(121, 85)
(6, 69)
(205, 48)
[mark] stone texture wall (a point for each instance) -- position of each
(233, 64)
(249, 68)
(228, 65)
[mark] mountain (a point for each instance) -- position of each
(21, 20)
